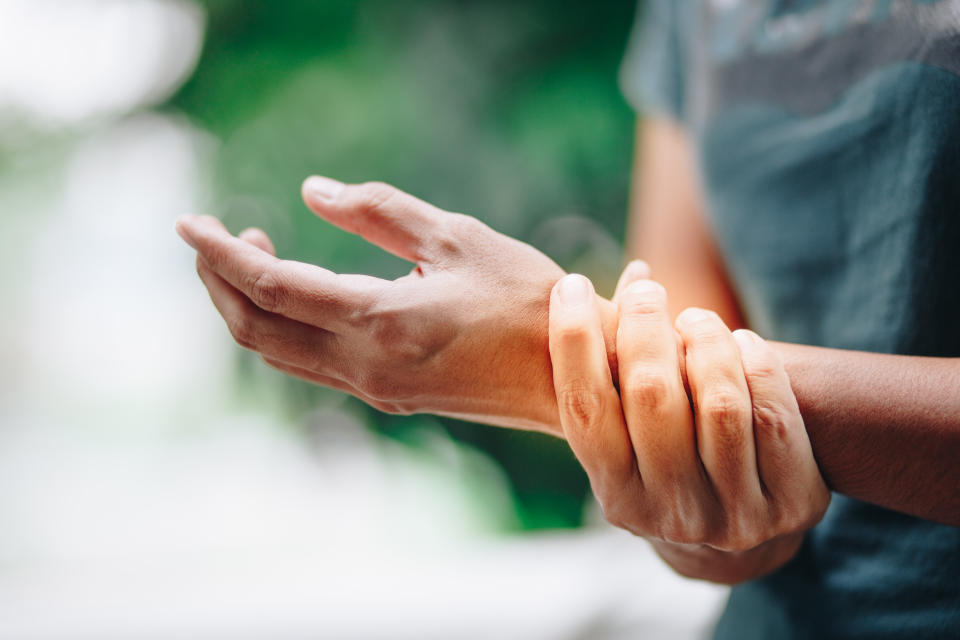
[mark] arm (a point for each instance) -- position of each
(885, 429)
(667, 226)
(446, 339)
(723, 483)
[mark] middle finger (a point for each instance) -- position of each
(655, 403)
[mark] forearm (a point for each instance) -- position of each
(667, 226)
(885, 429)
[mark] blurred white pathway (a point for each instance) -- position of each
(241, 534)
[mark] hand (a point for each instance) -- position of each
(722, 481)
(464, 334)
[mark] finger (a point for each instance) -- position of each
(259, 239)
(785, 459)
(313, 377)
(589, 406)
(640, 270)
(724, 419)
(654, 401)
(635, 270)
(303, 292)
(273, 336)
(330, 382)
(389, 218)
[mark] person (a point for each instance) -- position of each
(797, 173)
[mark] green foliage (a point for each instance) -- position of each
(508, 111)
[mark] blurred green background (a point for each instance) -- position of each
(156, 480)
(508, 111)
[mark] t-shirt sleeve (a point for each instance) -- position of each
(652, 73)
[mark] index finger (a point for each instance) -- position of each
(300, 291)
(654, 400)
(589, 405)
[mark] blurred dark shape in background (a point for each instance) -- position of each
(507, 111)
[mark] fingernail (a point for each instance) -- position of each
(693, 314)
(637, 269)
(323, 188)
(746, 339)
(181, 228)
(574, 289)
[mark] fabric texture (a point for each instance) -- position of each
(828, 141)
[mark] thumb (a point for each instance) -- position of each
(389, 218)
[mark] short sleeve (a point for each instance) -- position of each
(652, 76)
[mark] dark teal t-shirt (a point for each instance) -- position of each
(828, 139)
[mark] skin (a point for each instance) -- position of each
(727, 491)
(884, 429)
(465, 334)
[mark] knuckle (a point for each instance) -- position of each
(685, 516)
(448, 235)
(399, 343)
(455, 231)
(726, 409)
(465, 225)
(772, 421)
(376, 196)
(361, 316)
(679, 530)
(650, 301)
(740, 541)
(385, 328)
(744, 528)
(646, 389)
(267, 290)
(581, 403)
